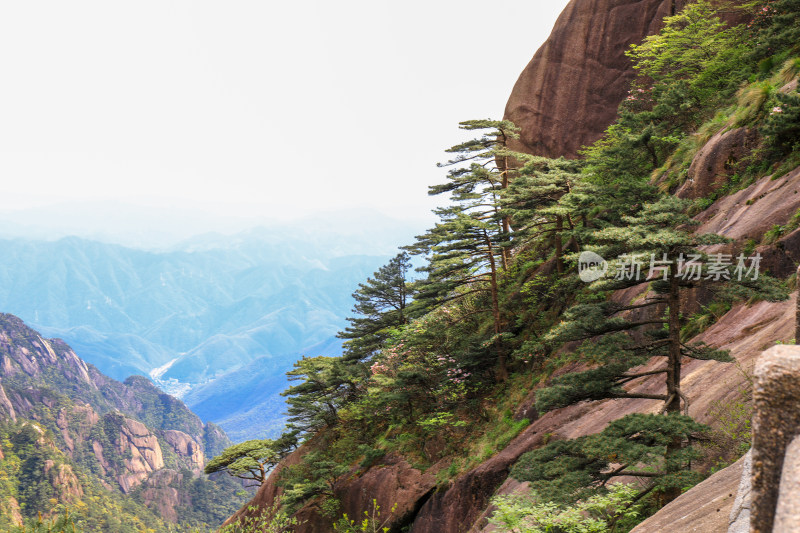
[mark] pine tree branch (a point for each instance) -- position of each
(640, 306)
(661, 397)
(666, 404)
(630, 377)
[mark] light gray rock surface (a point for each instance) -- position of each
(704, 508)
(740, 513)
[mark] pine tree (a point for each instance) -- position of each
(469, 246)
(324, 386)
(532, 203)
(253, 459)
(778, 28)
(782, 127)
(381, 306)
(633, 446)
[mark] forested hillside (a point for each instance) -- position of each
(77, 447)
(561, 358)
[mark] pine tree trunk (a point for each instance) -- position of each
(559, 247)
(674, 364)
(673, 370)
(502, 370)
(506, 219)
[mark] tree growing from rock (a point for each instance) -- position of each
(253, 459)
(618, 336)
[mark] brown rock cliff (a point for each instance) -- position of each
(569, 92)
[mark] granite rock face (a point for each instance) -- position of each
(186, 447)
(716, 161)
(569, 92)
(127, 432)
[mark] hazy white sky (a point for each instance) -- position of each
(250, 107)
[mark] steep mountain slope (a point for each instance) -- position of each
(461, 506)
(116, 437)
(760, 218)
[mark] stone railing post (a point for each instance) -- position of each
(776, 424)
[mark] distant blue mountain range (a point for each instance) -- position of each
(216, 320)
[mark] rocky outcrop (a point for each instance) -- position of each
(460, 507)
(787, 510)
(748, 214)
(569, 92)
(717, 161)
(160, 492)
(125, 434)
(564, 99)
(187, 448)
(63, 478)
(135, 452)
(739, 521)
(6, 407)
(392, 484)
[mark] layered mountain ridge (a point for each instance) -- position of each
(188, 316)
(130, 437)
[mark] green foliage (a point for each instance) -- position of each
(636, 445)
(371, 523)
(782, 127)
(60, 524)
(751, 103)
(692, 65)
(699, 322)
(776, 29)
(253, 459)
(773, 234)
(263, 520)
(730, 420)
(380, 307)
(468, 248)
(430, 378)
(696, 48)
(54, 494)
(316, 475)
(315, 401)
(617, 510)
